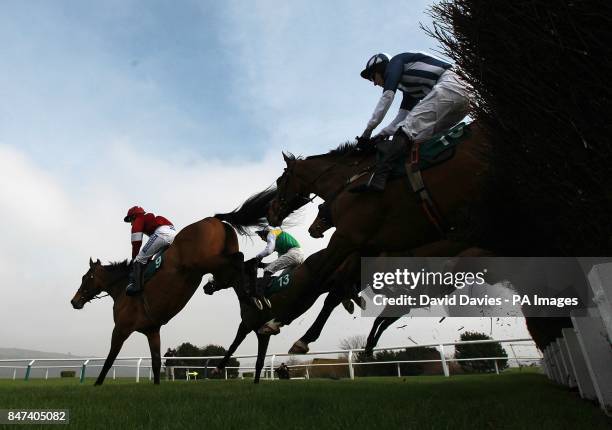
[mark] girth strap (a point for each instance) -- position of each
(415, 178)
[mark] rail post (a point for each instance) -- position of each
(138, 369)
(150, 374)
(206, 368)
(14, 373)
(46, 373)
(443, 361)
(350, 365)
(399, 372)
(496, 367)
(272, 366)
(28, 370)
(83, 368)
(225, 370)
(114, 373)
(518, 363)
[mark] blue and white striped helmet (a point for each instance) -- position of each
(375, 61)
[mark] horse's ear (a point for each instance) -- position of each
(98, 262)
(90, 262)
(287, 159)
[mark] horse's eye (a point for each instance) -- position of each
(91, 277)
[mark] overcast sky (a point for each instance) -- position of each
(183, 108)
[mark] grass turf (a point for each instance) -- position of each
(510, 400)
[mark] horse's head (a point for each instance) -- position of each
(291, 192)
(91, 285)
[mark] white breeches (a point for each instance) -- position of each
(445, 105)
(163, 236)
(293, 257)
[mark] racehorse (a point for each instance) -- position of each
(207, 246)
(372, 223)
(287, 304)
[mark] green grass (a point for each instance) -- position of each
(511, 400)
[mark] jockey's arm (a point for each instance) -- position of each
(137, 233)
(393, 75)
(408, 102)
(383, 105)
(270, 246)
(136, 244)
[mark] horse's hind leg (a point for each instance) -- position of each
(242, 332)
(385, 324)
(117, 340)
(332, 300)
(154, 347)
(262, 348)
(372, 339)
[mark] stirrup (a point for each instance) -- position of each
(257, 303)
(266, 301)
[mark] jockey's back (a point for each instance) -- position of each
(284, 241)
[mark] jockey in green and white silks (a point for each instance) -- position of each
(288, 248)
(434, 99)
(289, 255)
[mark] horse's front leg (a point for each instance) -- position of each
(332, 300)
(262, 348)
(154, 347)
(119, 336)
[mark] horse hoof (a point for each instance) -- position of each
(348, 305)
(299, 347)
(209, 288)
(360, 301)
(315, 234)
(257, 303)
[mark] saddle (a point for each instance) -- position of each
(154, 264)
(422, 156)
(437, 150)
(278, 283)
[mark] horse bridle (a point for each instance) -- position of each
(284, 204)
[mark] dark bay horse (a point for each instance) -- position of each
(206, 246)
(350, 285)
(377, 222)
(370, 224)
(287, 304)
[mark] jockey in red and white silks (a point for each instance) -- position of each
(161, 233)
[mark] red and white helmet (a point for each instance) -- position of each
(132, 212)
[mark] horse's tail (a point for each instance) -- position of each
(252, 213)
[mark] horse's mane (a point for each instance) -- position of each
(346, 148)
(115, 266)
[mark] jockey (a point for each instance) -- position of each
(434, 99)
(161, 233)
(289, 252)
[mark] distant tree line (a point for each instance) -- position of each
(189, 350)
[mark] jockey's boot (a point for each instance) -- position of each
(388, 153)
(135, 286)
(265, 282)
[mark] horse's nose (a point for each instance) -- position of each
(76, 304)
